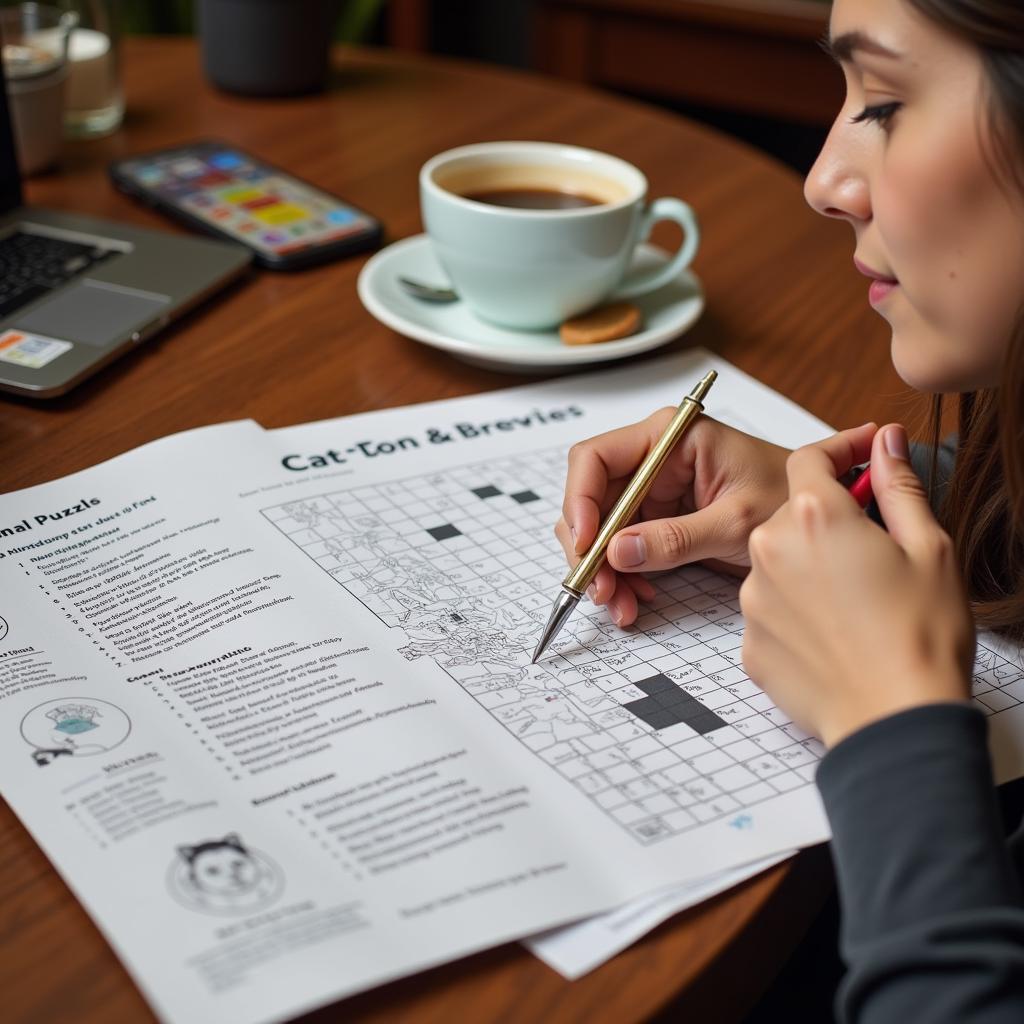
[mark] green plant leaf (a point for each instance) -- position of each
(356, 19)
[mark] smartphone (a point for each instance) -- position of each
(217, 188)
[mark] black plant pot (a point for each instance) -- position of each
(266, 47)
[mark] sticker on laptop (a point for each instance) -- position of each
(31, 350)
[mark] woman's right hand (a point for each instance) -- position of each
(716, 486)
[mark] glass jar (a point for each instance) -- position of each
(35, 61)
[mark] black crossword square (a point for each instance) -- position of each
(490, 491)
(661, 719)
(648, 710)
(642, 706)
(656, 684)
(705, 723)
(524, 496)
(445, 532)
(677, 698)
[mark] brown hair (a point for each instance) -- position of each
(983, 505)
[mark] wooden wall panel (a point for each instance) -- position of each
(750, 56)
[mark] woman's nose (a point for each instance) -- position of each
(837, 185)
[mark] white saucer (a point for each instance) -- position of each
(667, 313)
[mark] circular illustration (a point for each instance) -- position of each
(3, 627)
(224, 876)
(74, 727)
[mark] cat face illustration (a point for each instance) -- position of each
(221, 867)
(224, 876)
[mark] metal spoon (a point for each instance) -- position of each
(428, 292)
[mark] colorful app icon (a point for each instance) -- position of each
(188, 168)
(150, 175)
(257, 200)
(212, 178)
(226, 160)
(279, 213)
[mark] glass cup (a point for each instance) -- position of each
(94, 100)
(35, 58)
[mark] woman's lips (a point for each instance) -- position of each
(880, 290)
(881, 286)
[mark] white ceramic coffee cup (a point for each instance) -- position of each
(531, 269)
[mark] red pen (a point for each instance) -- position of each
(860, 489)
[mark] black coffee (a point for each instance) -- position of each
(533, 198)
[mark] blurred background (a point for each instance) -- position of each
(753, 68)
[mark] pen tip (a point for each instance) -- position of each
(563, 606)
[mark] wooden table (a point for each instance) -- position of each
(784, 303)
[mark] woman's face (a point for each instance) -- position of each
(909, 164)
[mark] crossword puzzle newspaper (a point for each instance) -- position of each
(275, 686)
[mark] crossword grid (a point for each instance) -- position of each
(658, 723)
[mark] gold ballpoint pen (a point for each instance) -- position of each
(575, 584)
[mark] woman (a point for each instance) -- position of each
(926, 162)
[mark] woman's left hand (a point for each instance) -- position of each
(845, 623)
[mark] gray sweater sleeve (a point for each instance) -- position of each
(932, 916)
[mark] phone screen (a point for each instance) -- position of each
(256, 204)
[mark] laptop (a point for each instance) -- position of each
(76, 292)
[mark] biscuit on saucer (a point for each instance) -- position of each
(606, 323)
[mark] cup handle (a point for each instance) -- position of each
(663, 209)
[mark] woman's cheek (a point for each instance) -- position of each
(937, 322)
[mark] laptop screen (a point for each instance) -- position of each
(10, 179)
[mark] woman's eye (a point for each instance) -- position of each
(881, 113)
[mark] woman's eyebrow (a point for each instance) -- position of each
(843, 47)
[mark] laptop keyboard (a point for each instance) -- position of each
(32, 265)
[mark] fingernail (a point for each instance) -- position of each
(896, 443)
(575, 539)
(592, 592)
(630, 550)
